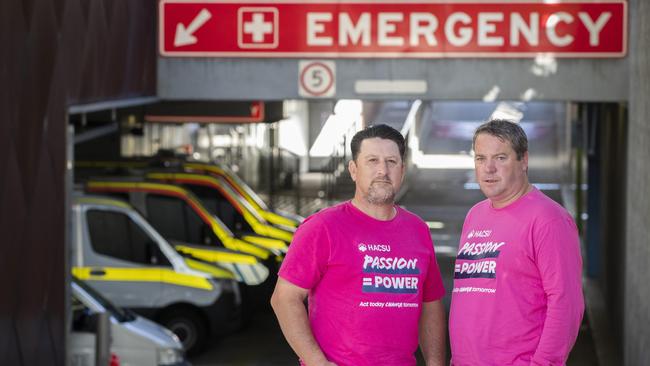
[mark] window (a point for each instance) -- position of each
(219, 206)
(176, 220)
(115, 235)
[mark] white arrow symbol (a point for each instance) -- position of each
(184, 35)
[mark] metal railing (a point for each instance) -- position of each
(335, 167)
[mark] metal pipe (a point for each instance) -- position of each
(103, 340)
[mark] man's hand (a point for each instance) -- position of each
(433, 333)
(288, 303)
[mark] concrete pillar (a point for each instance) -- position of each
(637, 291)
(319, 110)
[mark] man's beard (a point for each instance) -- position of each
(380, 193)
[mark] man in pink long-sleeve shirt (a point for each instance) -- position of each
(517, 296)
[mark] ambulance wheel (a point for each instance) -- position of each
(188, 327)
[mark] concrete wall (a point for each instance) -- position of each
(637, 290)
(599, 80)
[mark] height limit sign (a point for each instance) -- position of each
(317, 79)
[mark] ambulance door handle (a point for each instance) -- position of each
(97, 272)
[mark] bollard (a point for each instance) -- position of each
(103, 340)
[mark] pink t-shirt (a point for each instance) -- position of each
(517, 296)
(367, 280)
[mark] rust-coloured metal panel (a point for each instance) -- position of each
(55, 53)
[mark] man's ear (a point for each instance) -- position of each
(352, 168)
(524, 159)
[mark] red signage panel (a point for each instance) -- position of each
(370, 29)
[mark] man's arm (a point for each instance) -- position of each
(432, 333)
(560, 267)
(288, 303)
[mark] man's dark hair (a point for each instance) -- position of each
(383, 132)
(506, 131)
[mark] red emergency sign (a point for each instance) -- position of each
(414, 29)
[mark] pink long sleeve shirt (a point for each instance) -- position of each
(517, 296)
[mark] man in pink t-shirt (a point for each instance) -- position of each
(368, 269)
(517, 296)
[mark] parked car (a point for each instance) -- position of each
(135, 340)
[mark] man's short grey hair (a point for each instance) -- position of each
(506, 131)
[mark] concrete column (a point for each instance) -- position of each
(319, 110)
(637, 291)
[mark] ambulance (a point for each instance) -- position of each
(117, 253)
(134, 340)
(179, 216)
(231, 208)
(280, 219)
(171, 163)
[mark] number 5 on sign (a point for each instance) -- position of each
(317, 79)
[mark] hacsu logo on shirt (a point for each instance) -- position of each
(479, 234)
(363, 247)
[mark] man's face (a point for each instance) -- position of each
(498, 172)
(378, 171)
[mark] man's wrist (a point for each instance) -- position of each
(435, 363)
(316, 360)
